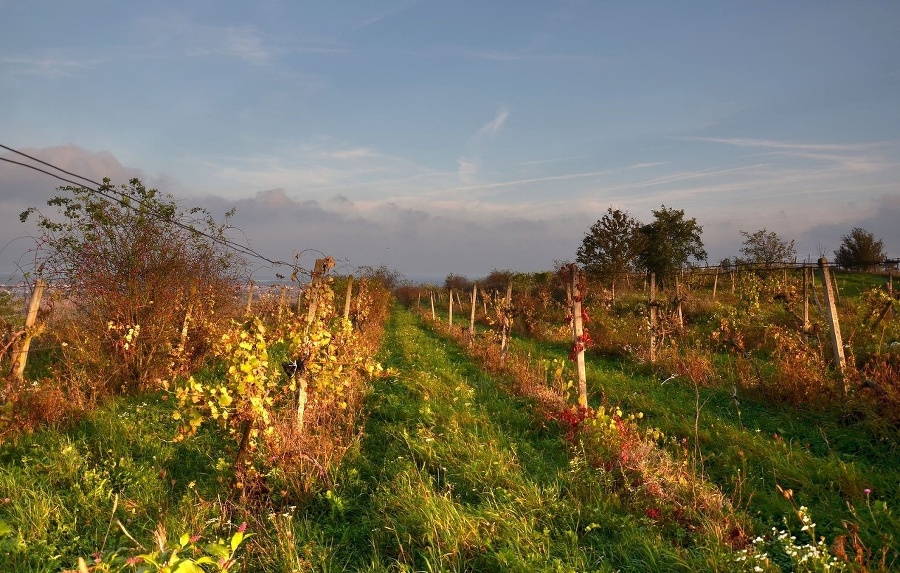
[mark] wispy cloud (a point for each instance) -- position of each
(553, 160)
(470, 160)
(386, 13)
(244, 42)
(241, 42)
(791, 146)
(49, 66)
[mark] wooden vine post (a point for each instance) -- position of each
(347, 297)
(281, 302)
(653, 318)
(715, 284)
(314, 292)
(472, 313)
(431, 295)
(450, 311)
(249, 299)
(806, 326)
(579, 334)
(505, 323)
(20, 351)
(678, 300)
(831, 310)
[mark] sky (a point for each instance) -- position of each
(466, 136)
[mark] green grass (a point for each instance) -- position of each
(59, 489)
(450, 474)
(455, 475)
(751, 447)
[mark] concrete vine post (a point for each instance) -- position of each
(837, 343)
(20, 351)
(578, 332)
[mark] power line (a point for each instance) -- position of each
(121, 200)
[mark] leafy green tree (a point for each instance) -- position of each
(610, 248)
(860, 250)
(669, 242)
(134, 264)
(766, 249)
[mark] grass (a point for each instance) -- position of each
(63, 491)
(751, 447)
(451, 474)
(455, 475)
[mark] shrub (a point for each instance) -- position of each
(134, 265)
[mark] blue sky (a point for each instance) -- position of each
(440, 137)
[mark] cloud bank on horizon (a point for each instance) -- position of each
(461, 138)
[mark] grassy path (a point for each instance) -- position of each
(455, 475)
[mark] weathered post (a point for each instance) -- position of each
(450, 311)
(505, 323)
(431, 295)
(678, 300)
(653, 310)
(322, 267)
(20, 351)
(806, 302)
(281, 301)
(472, 314)
(578, 333)
(182, 341)
(831, 310)
(249, 299)
(715, 284)
(347, 298)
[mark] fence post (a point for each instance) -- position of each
(653, 310)
(431, 296)
(831, 308)
(20, 351)
(578, 333)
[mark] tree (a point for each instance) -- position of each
(859, 250)
(135, 265)
(609, 249)
(668, 242)
(765, 248)
(457, 283)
